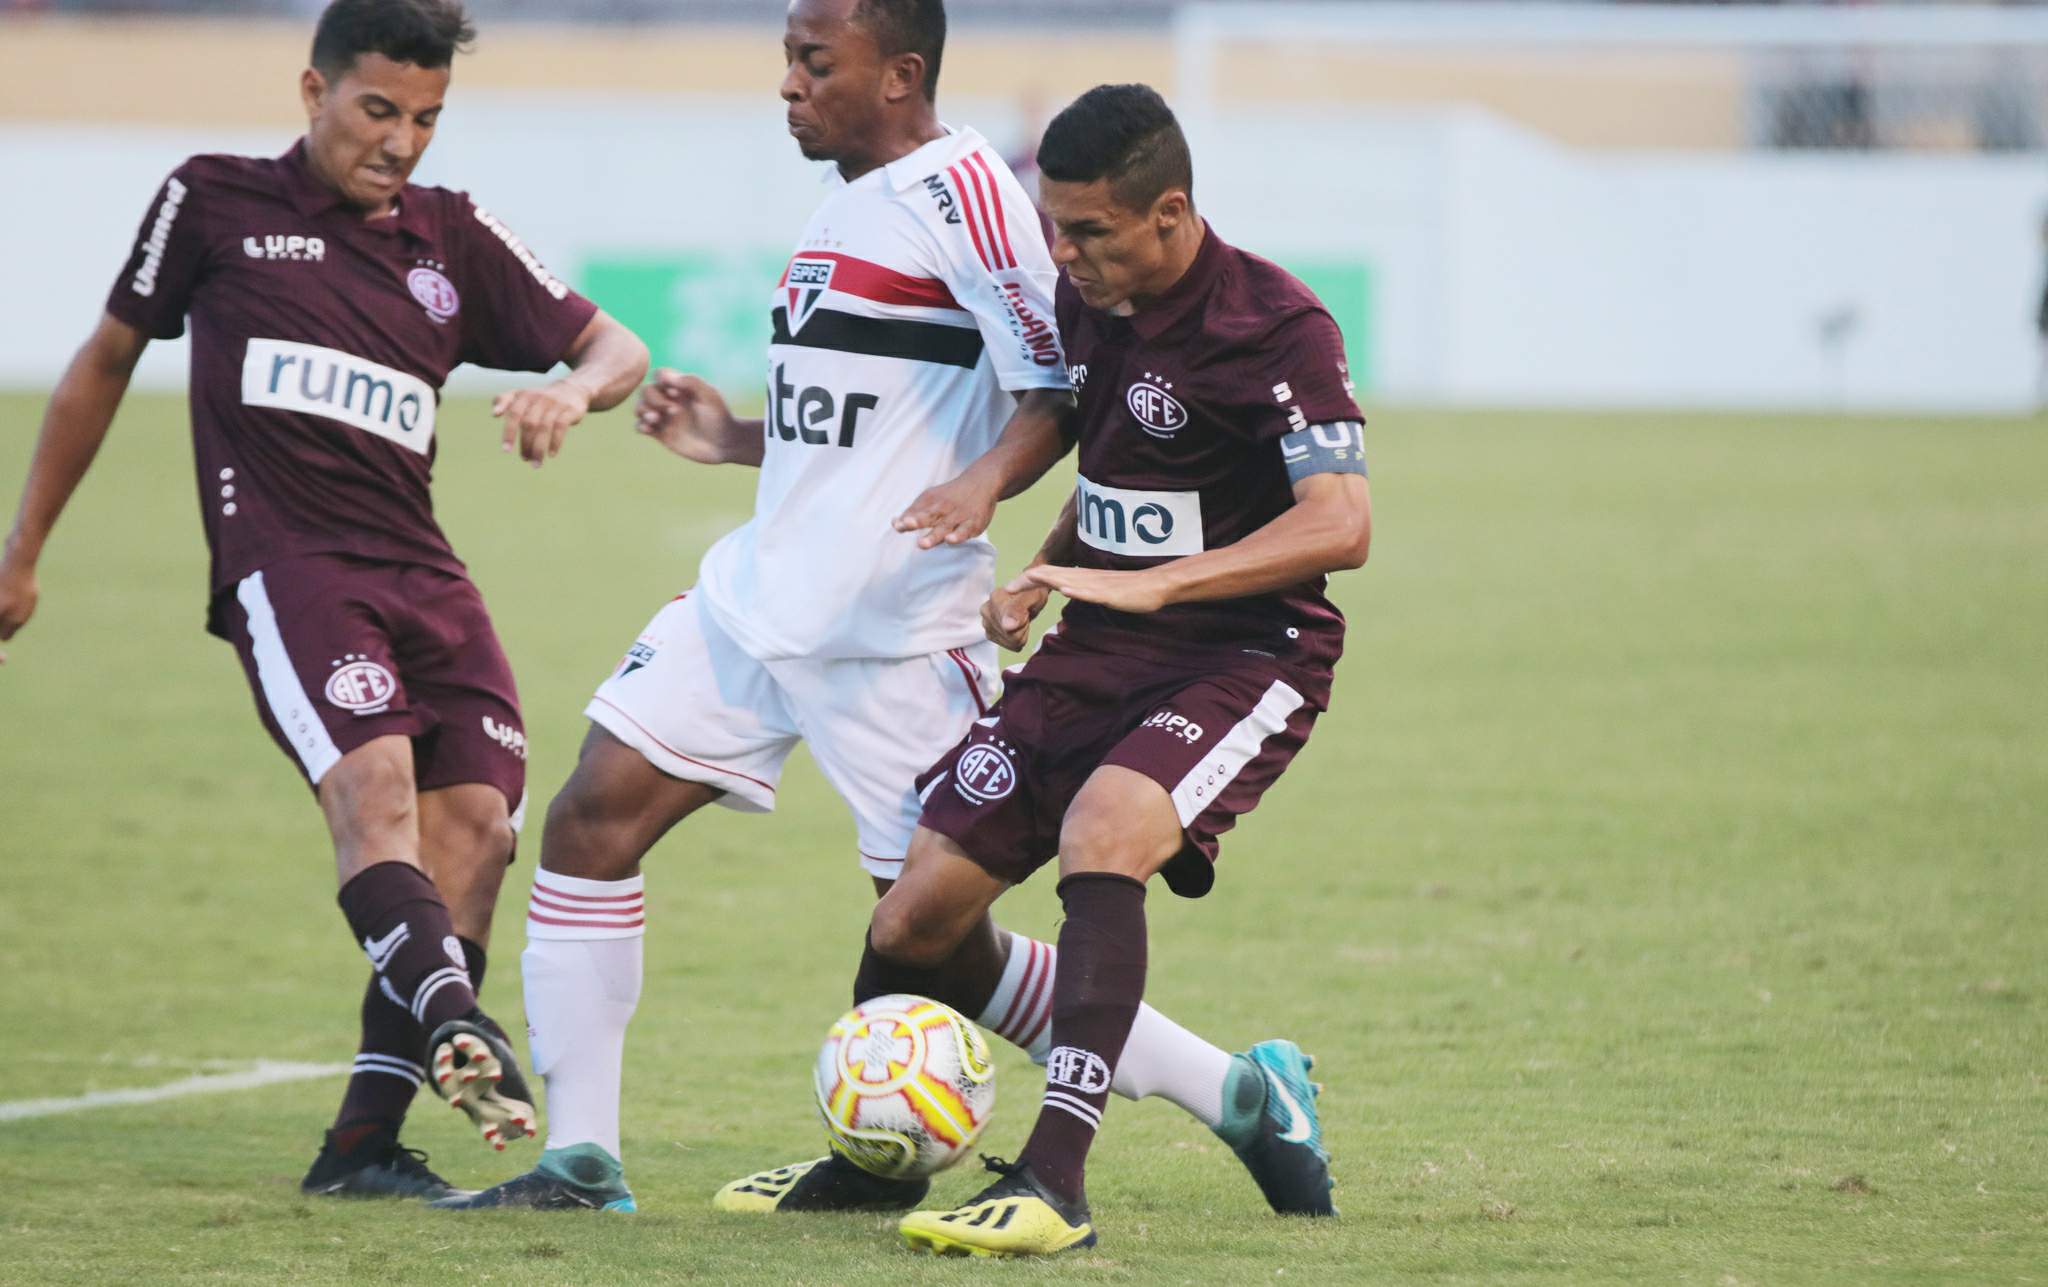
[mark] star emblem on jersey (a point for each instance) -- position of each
(1154, 407)
(807, 283)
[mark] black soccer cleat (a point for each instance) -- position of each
(1015, 1216)
(829, 1184)
(582, 1177)
(474, 1069)
(377, 1167)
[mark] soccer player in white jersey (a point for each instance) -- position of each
(913, 360)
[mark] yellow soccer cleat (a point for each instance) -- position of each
(830, 1183)
(1015, 1216)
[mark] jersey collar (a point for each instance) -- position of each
(908, 171)
(312, 198)
(1186, 295)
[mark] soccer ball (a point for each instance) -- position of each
(905, 1085)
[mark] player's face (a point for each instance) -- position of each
(368, 128)
(1113, 254)
(834, 83)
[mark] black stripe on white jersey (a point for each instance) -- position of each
(888, 337)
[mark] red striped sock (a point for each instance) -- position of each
(570, 907)
(1020, 1010)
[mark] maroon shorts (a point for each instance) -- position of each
(1214, 732)
(340, 650)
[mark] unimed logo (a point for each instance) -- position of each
(159, 238)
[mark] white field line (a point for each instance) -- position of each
(262, 1072)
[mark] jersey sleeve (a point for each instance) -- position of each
(154, 291)
(1298, 378)
(518, 316)
(993, 258)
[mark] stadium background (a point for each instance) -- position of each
(1663, 894)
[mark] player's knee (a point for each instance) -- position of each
(370, 801)
(490, 841)
(901, 933)
(584, 835)
(1091, 840)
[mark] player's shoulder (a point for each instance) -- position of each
(224, 172)
(961, 191)
(1260, 304)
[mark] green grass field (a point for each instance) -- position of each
(1664, 893)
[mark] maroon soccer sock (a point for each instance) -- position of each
(390, 1064)
(390, 1061)
(879, 976)
(398, 916)
(475, 960)
(1097, 987)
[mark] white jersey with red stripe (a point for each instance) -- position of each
(917, 304)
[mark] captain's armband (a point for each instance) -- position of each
(1334, 448)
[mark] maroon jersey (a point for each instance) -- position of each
(1182, 409)
(320, 341)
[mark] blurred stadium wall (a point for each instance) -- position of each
(1513, 204)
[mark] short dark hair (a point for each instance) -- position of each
(908, 27)
(1124, 133)
(425, 33)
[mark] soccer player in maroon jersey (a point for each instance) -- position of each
(329, 298)
(1221, 478)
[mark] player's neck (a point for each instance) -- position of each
(895, 143)
(1184, 246)
(325, 180)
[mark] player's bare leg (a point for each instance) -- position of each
(466, 843)
(420, 982)
(582, 965)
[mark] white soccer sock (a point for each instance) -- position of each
(1161, 1058)
(582, 969)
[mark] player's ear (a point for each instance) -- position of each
(903, 77)
(312, 91)
(1170, 210)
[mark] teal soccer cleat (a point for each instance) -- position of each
(1270, 1122)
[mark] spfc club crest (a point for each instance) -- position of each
(807, 283)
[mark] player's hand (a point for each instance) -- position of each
(1007, 615)
(537, 420)
(1123, 591)
(686, 415)
(18, 594)
(950, 513)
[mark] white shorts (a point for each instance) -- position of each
(701, 708)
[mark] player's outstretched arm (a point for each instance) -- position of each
(1007, 615)
(686, 415)
(1031, 443)
(1327, 529)
(81, 408)
(606, 362)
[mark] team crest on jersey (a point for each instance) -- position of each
(434, 291)
(808, 281)
(1153, 405)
